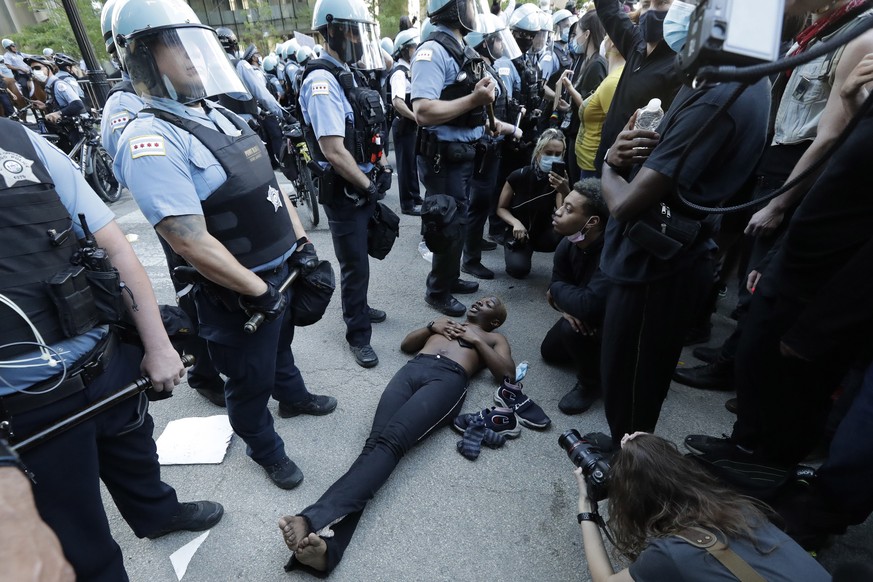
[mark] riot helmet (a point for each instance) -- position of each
(106, 26)
(270, 64)
(349, 32)
(250, 53)
(563, 21)
(405, 39)
(228, 40)
(524, 22)
(169, 54)
(387, 45)
(492, 39)
(461, 14)
(303, 55)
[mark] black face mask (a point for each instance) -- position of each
(652, 25)
(524, 43)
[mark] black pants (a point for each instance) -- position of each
(404, 154)
(643, 331)
(452, 179)
(519, 254)
(481, 202)
(562, 346)
(116, 447)
(423, 395)
(348, 229)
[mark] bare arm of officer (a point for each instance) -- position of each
(438, 112)
(402, 109)
(188, 236)
(161, 363)
(334, 149)
(29, 550)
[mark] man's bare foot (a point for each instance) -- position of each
(294, 529)
(312, 552)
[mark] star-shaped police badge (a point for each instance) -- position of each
(274, 196)
(16, 168)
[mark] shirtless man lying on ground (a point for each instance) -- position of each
(423, 395)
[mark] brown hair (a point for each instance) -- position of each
(654, 491)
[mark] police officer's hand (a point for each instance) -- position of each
(163, 368)
(270, 304)
(383, 180)
(304, 258)
(53, 117)
(483, 93)
(365, 195)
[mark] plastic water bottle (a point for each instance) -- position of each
(521, 371)
(425, 252)
(650, 116)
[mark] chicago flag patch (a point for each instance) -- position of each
(148, 145)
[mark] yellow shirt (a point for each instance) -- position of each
(592, 116)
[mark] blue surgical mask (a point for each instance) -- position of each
(546, 163)
(676, 24)
(565, 35)
(576, 48)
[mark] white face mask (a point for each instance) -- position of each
(40, 76)
(603, 49)
(676, 24)
(546, 162)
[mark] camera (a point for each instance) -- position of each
(595, 467)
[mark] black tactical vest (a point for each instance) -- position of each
(240, 107)
(122, 86)
(29, 209)
(563, 53)
(531, 83)
(247, 213)
(501, 102)
(472, 69)
(363, 137)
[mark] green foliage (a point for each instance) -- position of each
(56, 32)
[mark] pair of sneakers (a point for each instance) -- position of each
(515, 409)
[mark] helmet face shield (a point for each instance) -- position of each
(510, 47)
(356, 43)
(182, 64)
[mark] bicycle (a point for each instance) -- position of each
(93, 161)
(294, 160)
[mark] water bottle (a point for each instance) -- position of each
(650, 116)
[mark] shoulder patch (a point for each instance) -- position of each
(425, 55)
(547, 57)
(147, 145)
(320, 88)
(503, 71)
(119, 120)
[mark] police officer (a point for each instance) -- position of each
(270, 66)
(564, 23)
(404, 126)
(62, 101)
(271, 112)
(15, 61)
(243, 104)
(491, 41)
(202, 177)
(121, 106)
(342, 125)
(449, 95)
(58, 357)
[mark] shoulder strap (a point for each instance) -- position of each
(449, 43)
(701, 538)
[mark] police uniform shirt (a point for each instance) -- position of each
(15, 60)
(509, 75)
(168, 170)
(6, 71)
(62, 93)
(433, 69)
(291, 72)
(78, 198)
(324, 105)
(120, 108)
(548, 63)
(399, 82)
(257, 86)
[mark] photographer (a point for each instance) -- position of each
(663, 512)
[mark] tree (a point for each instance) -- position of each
(56, 33)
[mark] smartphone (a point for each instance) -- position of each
(560, 168)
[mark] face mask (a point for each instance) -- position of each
(603, 49)
(579, 236)
(676, 24)
(524, 44)
(565, 35)
(40, 76)
(652, 25)
(576, 48)
(545, 163)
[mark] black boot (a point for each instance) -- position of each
(718, 375)
(579, 399)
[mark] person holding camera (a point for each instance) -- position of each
(528, 199)
(676, 522)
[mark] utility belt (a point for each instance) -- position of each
(92, 365)
(443, 153)
(217, 294)
(334, 190)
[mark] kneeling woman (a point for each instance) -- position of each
(662, 504)
(526, 204)
(423, 395)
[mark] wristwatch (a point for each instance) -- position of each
(430, 326)
(590, 516)
(8, 456)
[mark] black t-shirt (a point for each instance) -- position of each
(834, 220)
(715, 169)
(533, 201)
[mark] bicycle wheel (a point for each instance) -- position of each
(102, 179)
(308, 195)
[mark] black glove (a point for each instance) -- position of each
(304, 258)
(383, 180)
(365, 195)
(271, 304)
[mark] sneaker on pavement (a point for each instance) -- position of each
(192, 516)
(285, 474)
(365, 355)
(501, 420)
(317, 405)
(376, 315)
(529, 413)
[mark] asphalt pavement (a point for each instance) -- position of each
(508, 516)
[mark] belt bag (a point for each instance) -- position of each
(457, 152)
(663, 233)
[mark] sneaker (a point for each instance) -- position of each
(192, 516)
(529, 413)
(501, 420)
(315, 406)
(707, 445)
(365, 355)
(376, 315)
(578, 400)
(285, 474)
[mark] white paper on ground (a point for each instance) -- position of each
(195, 441)
(182, 557)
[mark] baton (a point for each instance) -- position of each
(492, 122)
(140, 385)
(521, 113)
(257, 318)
